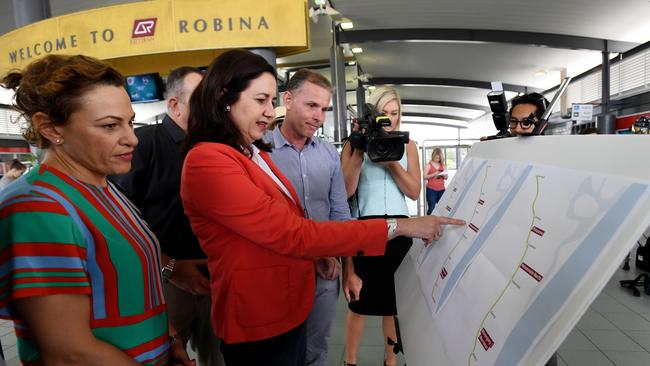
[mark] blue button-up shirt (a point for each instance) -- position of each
(315, 173)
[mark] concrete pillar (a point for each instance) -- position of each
(30, 11)
(361, 95)
(337, 65)
(605, 79)
(606, 121)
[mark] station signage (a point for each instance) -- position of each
(191, 29)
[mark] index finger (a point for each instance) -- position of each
(450, 221)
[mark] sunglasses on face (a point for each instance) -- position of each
(524, 123)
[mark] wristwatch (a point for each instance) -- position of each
(392, 228)
(168, 270)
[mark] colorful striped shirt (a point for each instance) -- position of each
(59, 235)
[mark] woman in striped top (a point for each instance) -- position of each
(79, 267)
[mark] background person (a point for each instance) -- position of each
(313, 167)
(251, 224)
(153, 184)
(435, 176)
(379, 190)
(526, 112)
(81, 267)
(16, 169)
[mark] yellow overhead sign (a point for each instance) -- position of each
(159, 35)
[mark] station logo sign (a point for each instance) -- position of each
(144, 28)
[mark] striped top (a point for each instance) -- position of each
(62, 236)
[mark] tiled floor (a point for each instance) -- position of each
(8, 339)
(614, 331)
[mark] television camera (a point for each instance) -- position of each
(380, 144)
(500, 115)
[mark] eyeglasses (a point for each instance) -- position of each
(524, 123)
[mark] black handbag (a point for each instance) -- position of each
(642, 260)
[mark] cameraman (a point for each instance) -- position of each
(379, 190)
(526, 113)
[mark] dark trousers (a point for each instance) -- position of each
(286, 349)
(432, 198)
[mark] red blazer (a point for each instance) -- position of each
(260, 248)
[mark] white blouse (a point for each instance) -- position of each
(267, 169)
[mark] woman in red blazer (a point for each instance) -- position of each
(250, 222)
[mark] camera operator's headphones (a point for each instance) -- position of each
(539, 101)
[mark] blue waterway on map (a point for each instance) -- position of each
(482, 236)
(558, 289)
(458, 203)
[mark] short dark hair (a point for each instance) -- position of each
(16, 164)
(228, 75)
(535, 99)
(174, 84)
(305, 75)
(53, 85)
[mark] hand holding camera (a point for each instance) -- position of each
(371, 137)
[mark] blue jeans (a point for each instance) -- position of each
(432, 198)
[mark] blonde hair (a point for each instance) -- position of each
(438, 151)
(384, 95)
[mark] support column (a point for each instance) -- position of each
(30, 11)
(361, 95)
(605, 79)
(337, 65)
(267, 53)
(606, 121)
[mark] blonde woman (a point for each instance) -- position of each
(380, 190)
(435, 177)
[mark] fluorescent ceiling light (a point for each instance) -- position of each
(434, 121)
(460, 111)
(357, 50)
(540, 73)
(347, 25)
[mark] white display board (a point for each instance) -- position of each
(549, 220)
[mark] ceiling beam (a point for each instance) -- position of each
(485, 35)
(437, 115)
(433, 124)
(442, 103)
(451, 82)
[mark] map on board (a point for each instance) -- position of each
(534, 233)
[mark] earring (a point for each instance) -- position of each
(58, 141)
(227, 108)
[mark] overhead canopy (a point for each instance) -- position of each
(449, 51)
(159, 35)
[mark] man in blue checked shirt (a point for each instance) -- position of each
(313, 166)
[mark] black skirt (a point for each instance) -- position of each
(377, 295)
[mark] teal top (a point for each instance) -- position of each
(377, 192)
